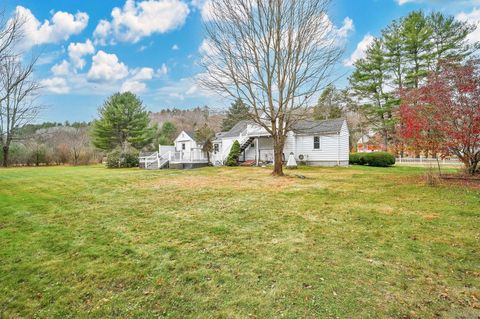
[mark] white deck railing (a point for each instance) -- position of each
(192, 156)
(256, 130)
(150, 160)
(158, 161)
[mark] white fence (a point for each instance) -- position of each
(427, 161)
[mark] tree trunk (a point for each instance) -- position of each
(6, 149)
(385, 141)
(473, 167)
(278, 156)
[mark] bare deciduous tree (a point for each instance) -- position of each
(10, 33)
(79, 143)
(17, 88)
(275, 55)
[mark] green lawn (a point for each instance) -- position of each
(236, 243)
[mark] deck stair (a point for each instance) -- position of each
(155, 161)
(245, 143)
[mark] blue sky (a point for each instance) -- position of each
(91, 49)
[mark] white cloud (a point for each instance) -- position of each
(346, 28)
(163, 70)
(360, 51)
(402, 2)
(55, 85)
(175, 47)
(472, 17)
(188, 91)
(133, 86)
(102, 78)
(136, 83)
(60, 28)
(106, 67)
(76, 52)
(207, 10)
(206, 48)
(102, 32)
(48, 57)
(141, 19)
(143, 74)
(62, 68)
(337, 34)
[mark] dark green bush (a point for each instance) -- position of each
(232, 159)
(358, 158)
(380, 159)
(354, 158)
(119, 159)
(377, 159)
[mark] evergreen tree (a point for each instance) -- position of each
(409, 49)
(418, 47)
(395, 59)
(237, 112)
(123, 122)
(232, 159)
(165, 135)
(369, 84)
(449, 37)
(329, 104)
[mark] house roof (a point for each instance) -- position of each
(218, 136)
(192, 135)
(301, 127)
(237, 129)
(319, 127)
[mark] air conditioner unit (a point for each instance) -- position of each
(301, 157)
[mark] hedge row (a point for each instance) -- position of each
(378, 159)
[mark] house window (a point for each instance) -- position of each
(183, 146)
(252, 145)
(216, 148)
(316, 142)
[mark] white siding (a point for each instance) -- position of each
(334, 148)
(344, 142)
(225, 147)
(265, 146)
(290, 145)
(190, 144)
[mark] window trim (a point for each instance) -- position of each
(319, 143)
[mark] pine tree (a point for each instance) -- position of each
(417, 35)
(409, 49)
(237, 112)
(449, 37)
(394, 48)
(329, 104)
(369, 84)
(165, 135)
(123, 122)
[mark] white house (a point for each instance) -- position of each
(321, 143)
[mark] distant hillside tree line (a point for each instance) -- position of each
(53, 144)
